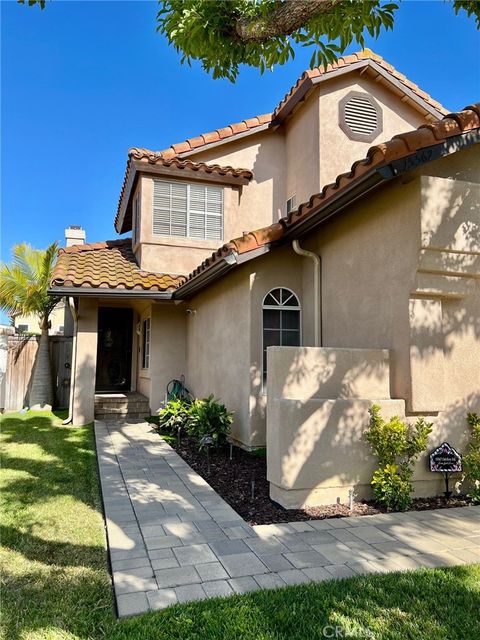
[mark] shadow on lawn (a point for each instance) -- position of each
(69, 455)
(68, 592)
(50, 462)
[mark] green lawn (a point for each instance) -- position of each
(56, 584)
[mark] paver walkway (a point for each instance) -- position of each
(172, 538)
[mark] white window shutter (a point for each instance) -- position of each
(161, 207)
(192, 210)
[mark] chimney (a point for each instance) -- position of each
(74, 235)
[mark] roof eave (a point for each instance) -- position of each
(309, 83)
(227, 140)
(89, 292)
(204, 278)
(139, 168)
(368, 182)
(377, 175)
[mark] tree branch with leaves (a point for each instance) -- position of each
(224, 34)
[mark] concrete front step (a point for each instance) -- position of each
(121, 405)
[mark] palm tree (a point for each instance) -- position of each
(23, 290)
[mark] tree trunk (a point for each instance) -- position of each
(41, 393)
(287, 17)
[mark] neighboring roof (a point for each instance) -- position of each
(355, 62)
(402, 153)
(154, 162)
(105, 266)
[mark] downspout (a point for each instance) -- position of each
(317, 289)
(73, 311)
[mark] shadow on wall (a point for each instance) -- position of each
(269, 166)
(450, 236)
(327, 445)
(330, 431)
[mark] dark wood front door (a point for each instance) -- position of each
(114, 350)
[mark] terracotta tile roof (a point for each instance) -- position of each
(112, 265)
(107, 265)
(194, 144)
(156, 158)
(399, 147)
(346, 61)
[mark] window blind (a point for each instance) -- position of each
(187, 210)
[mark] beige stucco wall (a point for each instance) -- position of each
(379, 260)
(167, 349)
(297, 158)
(57, 321)
(224, 339)
(337, 151)
(402, 271)
(263, 200)
(176, 255)
(309, 149)
(318, 401)
(218, 347)
(282, 268)
(86, 361)
(302, 154)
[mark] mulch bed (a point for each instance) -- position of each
(242, 482)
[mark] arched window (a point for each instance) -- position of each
(281, 322)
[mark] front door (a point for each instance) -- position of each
(114, 350)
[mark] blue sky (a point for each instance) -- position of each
(84, 81)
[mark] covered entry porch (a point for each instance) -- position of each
(126, 352)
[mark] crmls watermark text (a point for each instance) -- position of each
(336, 631)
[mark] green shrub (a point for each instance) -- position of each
(208, 417)
(471, 459)
(174, 416)
(397, 446)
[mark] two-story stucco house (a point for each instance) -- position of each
(367, 292)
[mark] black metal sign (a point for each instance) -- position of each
(445, 459)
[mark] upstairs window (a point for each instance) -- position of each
(146, 344)
(187, 210)
(291, 204)
(281, 322)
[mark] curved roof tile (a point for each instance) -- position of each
(107, 265)
(399, 146)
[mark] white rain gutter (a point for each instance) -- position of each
(317, 289)
(73, 311)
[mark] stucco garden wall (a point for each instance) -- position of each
(317, 409)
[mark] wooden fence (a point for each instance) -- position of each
(20, 363)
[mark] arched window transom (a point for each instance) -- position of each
(281, 321)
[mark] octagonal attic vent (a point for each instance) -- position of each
(360, 117)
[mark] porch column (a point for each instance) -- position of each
(86, 362)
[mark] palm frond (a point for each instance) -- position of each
(24, 282)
